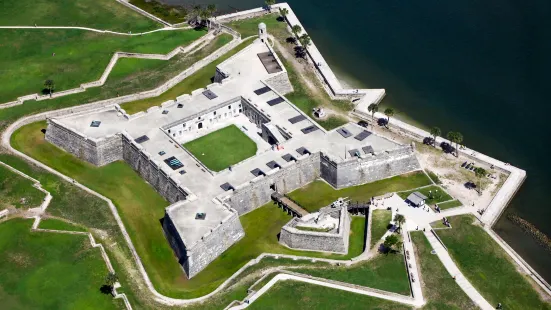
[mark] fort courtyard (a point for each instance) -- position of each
(240, 174)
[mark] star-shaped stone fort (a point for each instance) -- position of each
(164, 146)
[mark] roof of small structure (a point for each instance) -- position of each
(261, 26)
(416, 198)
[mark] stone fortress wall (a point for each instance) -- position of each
(369, 168)
(99, 152)
(318, 241)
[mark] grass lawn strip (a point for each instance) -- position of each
(439, 288)
(319, 194)
(488, 267)
(437, 193)
(199, 79)
(71, 57)
(17, 191)
(50, 270)
(220, 149)
(99, 14)
(450, 204)
(296, 295)
(57, 224)
(379, 225)
(385, 272)
(173, 14)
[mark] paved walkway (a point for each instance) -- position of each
(94, 29)
(450, 266)
(331, 284)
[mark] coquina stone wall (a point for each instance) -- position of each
(254, 114)
(379, 166)
(280, 83)
(211, 245)
(151, 171)
(258, 192)
(99, 152)
(318, 241)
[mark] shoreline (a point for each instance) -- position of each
(502, 198)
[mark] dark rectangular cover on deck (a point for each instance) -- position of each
(302, 150)
(288, 157)
(272, 164)
(226, 186)
(309, 129)
(142, 139)
(275, 101)
(173, 163)
(257, 172)
(368, 149)
(344, 132)
(210, 94)
(296, 119)
(262, 90)
(362, 135)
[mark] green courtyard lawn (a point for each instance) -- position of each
(57, 224)
(384, 271)
(437, 194)
(439, 288)
(17, 191)
(50, 270)
(319, 194)
(450, 204)
(199, 79)
(99, 14)
(379, 225)
(80, 56)
(220, 149)
(298, 295)
(488, 267)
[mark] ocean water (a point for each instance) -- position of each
(479, 67)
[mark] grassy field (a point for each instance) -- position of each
(141, 207)
(249, 26)
(100, 14)
(18, 192)
(299, 295)
(319, 194)
(435, 194)
(439, 288)
(57, 224)
(434, 177)
(50, 271)
(379, 225)
(385, 272)
(173, 14)
(80, 56)
(199, 79)
(488, 267)
(220, 149)
(450, 204)
(128, 76)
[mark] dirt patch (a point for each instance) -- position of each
(20, 259)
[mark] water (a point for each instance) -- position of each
(478, 67)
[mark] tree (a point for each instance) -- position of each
(391, 241)
(196, 12)
(296, 29)
(399, 219)
(479, 172)
(211, 9)
(373, 108)
(305, 40)
(455, 137)
(269, 4)
(49, 85)
(283, 12)
(111, 279)
(389, 112)
(435, 132)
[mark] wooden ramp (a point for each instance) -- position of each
(289, 205)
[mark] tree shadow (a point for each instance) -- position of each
(291, 40)
(447, 148)
(45, 91)
(428, 141)
(300, 52)
(280, 19)
(382, 121)
(43, 130)
(106, 289)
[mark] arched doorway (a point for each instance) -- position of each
(200, 125)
